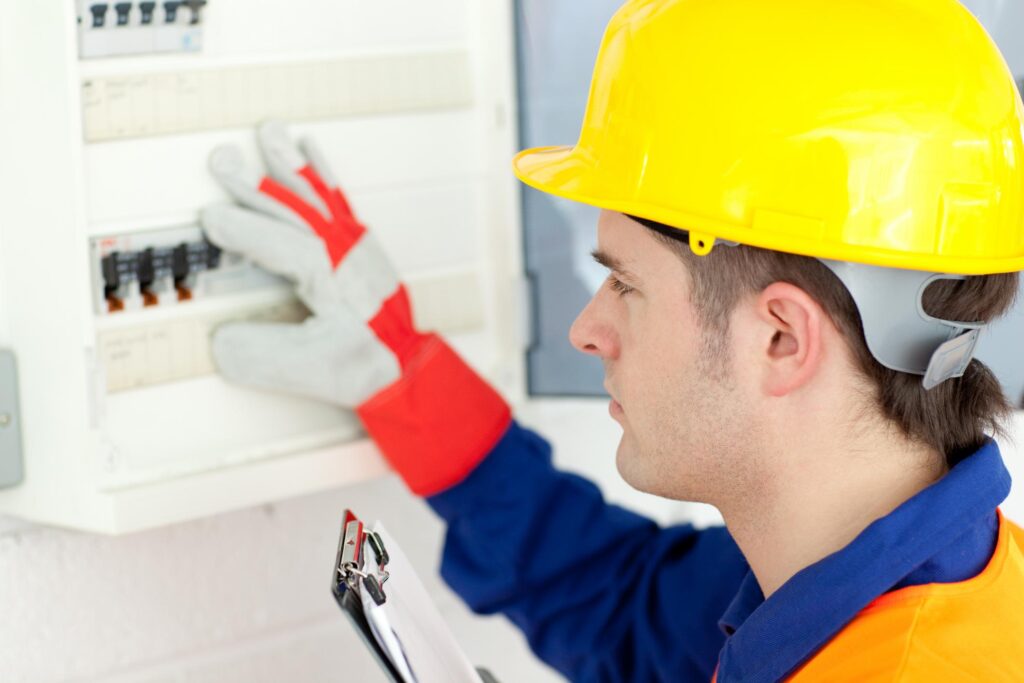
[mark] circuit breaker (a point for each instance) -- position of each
(110, 291)
(135, 28)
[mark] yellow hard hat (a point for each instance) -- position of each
(883, 132)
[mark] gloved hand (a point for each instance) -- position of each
(429, 413)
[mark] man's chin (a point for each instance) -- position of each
(640, 471)
(629, 464)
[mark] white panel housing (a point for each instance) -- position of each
(125, 423)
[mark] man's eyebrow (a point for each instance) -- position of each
(612, 263)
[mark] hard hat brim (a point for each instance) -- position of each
(568, 172)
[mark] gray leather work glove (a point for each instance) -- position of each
(431, 415)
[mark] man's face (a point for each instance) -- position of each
(679, 407)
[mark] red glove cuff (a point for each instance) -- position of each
(438, 422)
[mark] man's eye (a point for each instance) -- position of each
(619, 286)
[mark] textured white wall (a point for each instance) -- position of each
(244, 597)
(239, 597)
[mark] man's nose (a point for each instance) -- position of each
(592, 333)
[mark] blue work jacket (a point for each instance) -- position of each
(605, 595)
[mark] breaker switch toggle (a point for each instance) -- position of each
(146, 8)
(123, 10)
(196, 6)
(119, 270)
(190, 259)
(99, 14)
(155, 270)
(171, 11)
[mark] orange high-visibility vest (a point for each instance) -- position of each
(970, 630)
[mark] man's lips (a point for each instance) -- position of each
(615, 408)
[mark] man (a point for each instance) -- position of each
(810, 209)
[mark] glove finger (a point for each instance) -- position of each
(277, 246)
(336, 360)
(336, 199)
(243, 184)
(317, 160)
(362, 284)
(367, 270)
(285, 163)
(274, 198)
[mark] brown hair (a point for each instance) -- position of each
(953, 418)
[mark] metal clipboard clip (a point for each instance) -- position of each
(352, 559)
(352, 578)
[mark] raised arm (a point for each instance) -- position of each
(601, 593)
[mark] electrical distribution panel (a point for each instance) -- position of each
(110, 291)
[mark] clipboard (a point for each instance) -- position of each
(359, 583)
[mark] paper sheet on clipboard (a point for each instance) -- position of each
(410, 629)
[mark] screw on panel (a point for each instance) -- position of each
(5, 420)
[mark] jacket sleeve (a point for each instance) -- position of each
(601, 594)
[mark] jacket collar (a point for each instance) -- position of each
(921, 541)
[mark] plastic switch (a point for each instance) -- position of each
(196, 6)
(171, 11)
(155, 270)
(123, 10)
(121, 27)
(11, 466)
(189, 260)
(120, 270)
(99, 14)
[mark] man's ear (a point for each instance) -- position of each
(793, 353)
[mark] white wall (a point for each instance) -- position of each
(239, 597)
(244, 597)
